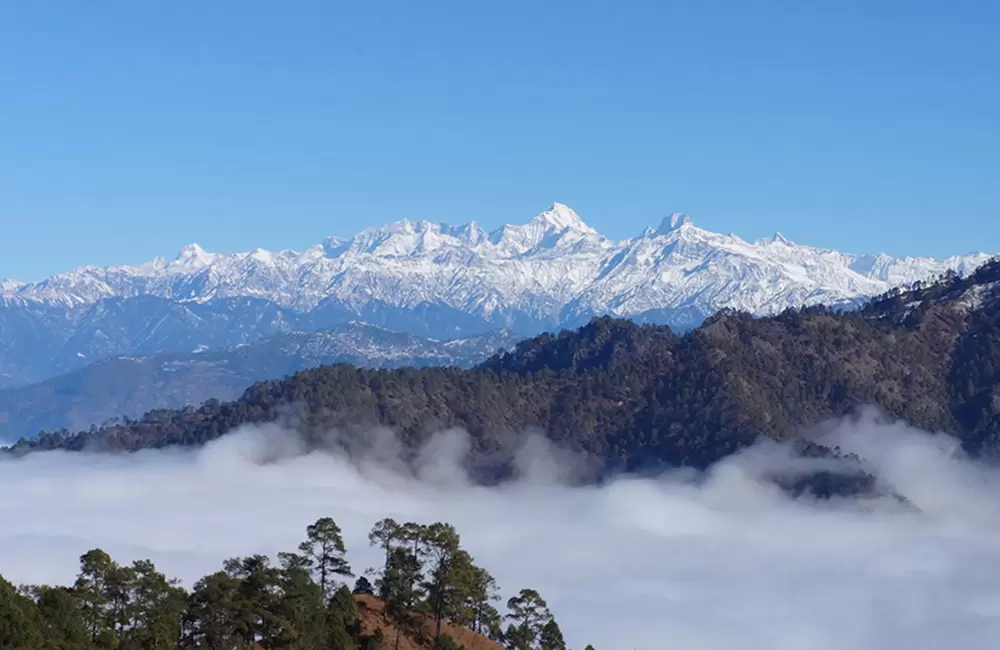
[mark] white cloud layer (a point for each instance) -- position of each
(636, 564)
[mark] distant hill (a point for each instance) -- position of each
(129, 386)
(634, 396)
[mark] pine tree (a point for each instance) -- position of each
(384, 534)
(62, 621)
(442, 543)
(155, 607)
(257, 596)
(102, 588)
(529, 613)
(19, 620)
(324, 551)
(551, 637)
(214, 618)
(478, 591)
(363, 586)
(342, 617)
(300, 611)
(399, 586)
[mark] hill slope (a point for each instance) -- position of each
(634, 396)
(373, 617)
(129, 386)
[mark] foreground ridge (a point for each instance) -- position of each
(431, 596)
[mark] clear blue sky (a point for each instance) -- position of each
(128, 129)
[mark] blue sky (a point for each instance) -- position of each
(129, 129)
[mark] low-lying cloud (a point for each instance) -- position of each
(717, 562)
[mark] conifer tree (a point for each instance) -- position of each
(399, 586)
(155, 608)
(300, 611)
(214, 618)
(528, 612)
(19, 620)
(101, 587)
(324, 552)
(384, 534)
(342, 617)
(442, 544)
(61, 621)
(363, 586)
(551, 637)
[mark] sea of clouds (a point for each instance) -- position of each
(721, 561)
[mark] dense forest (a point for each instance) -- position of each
(640, 397)
(428, 593)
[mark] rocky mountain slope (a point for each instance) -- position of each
(633, 397)
(429, 279)
(129, 386)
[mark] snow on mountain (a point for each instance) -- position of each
(10, 285)
(553, 269)
(410, 292)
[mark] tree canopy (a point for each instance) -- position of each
(428, 578)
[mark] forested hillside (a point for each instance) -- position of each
(132, 385)
(428, 593)
(639, 396)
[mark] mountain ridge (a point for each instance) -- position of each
(128, 386)
(431, 280)
(196, 275)
(634, 397)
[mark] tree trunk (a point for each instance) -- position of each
(438, 606)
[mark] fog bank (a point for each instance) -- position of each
(725, 561)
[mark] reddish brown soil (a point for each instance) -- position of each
(372, 612)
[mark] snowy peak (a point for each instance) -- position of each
(471, 233)
(776, 238)
(333, 246)
(396, 238)
(675, 221)
(408, 238)
(194, 255)
(561, 217)
(556, 228)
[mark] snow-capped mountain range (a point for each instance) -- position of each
(550, 269)
(432, 279)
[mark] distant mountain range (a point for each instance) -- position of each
(638, 398)
(429, 279)
(422, 279)
(129, 386)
